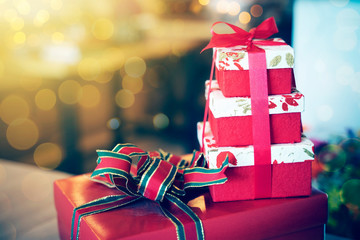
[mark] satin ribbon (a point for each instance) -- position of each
(160, 177)
(258, 91)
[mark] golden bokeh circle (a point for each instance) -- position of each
(90, 96)
(124, 98)
(89, 69)
(45, 99)
(22, 134)
(103, 29)
(70, 92)
(14, 107)
(244, 17)
(133, 84)
(135, 67)
(48, 155)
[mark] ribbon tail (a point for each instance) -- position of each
(202, 177)
(97, 206)
(188, 225)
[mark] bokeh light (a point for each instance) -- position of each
(222, 6)
(350, 194)
(48, 155)
(244, 17)
(90, 96)
(89, 68)
(41, 17)
(124, 98)
(19, 37)
(135, 67)
(36, 186)
(13, 107)
(233, 8)
(104, 77)
(45, 99)
(22, 134)
(133, 84)
(70, 92)
(256, 10)
(57, 37)
(23, 7)
(333, 157)
(56, 4)
(113, 123)
(204, 2)
(102, 29)
(17, 24)
(160, 121)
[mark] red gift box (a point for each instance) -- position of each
(290, 169)
(231, 121)
(232, 69)
(291, 218)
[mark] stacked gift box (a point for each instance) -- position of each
(229, 130)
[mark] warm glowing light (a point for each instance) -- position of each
(22, 134)
(36, 186)
(133, 84)
(104, 77)
(103, 29)
(30, 83)
(13, 107)
(124, 98)
(89, 68)
(48, 155)
(57, 37)
(41, 17)
(23, 7)
(2, 68)
(160, 121)
(256, 10)
(10, 15)
(244, 17)
(113, 123)
(90, 96)
(135, 67)
(69, 92)
(204, 2)
(56, 4)
(222, 6)
(45, 99)
(19, 38)
(17, 24)
(234, 8)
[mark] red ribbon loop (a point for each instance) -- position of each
(241, 37)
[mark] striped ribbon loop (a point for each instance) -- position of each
(160, 176)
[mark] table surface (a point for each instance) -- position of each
(27, 204)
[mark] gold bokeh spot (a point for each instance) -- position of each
(134, 84)
(14, 107)
(45, 99)
(124, 98)
(48, 155)
(70, 92)
(89, 69)
(22, 134)
(102, 29)
(90, 96)
(135, 67)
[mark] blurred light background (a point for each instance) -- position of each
(76, 76)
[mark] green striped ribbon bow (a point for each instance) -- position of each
(160, 177)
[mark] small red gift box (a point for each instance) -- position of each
(290, 169)
(232, 69)
(231, 121)
(291, 218)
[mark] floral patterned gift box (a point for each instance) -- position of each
(290, 168)
(231, 120)
(232, 69)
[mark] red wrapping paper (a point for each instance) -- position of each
(290, 218)
(237, 131)
(235, 83)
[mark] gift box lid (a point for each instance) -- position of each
(260, 219)
(222, 106)
(236, 58)
(280, 153)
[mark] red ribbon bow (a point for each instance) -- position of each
(241, 37)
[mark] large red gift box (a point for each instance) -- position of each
(232, 69)
(288, 218)
(231, 121)
(290, 169)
